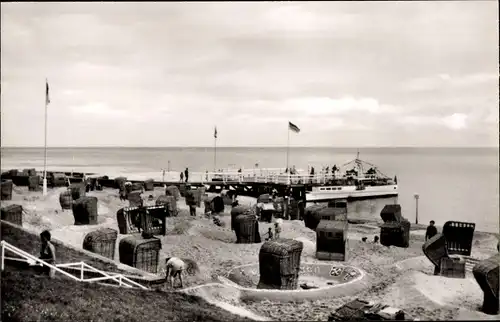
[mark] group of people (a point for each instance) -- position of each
(277, 230)
(184, 175)
(324, 170)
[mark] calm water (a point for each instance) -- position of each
(453, 183)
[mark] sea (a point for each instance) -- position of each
(460, 184)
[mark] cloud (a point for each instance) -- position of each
(456, 121)
(361, 72)
(323, 106)
(444, 81)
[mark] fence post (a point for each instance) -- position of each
(81, 271)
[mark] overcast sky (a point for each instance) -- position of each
(164, 74)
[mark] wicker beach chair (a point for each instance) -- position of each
(58, 180)
(182, 189)
(396, 229)
(13, 214)
(217, 204)
(120, 183)
(30, 172)
(102, 242)
(247, 229)
(459, 236)
(316, 213)
(331, 240)
(85, 211)
(199, 194)
(173, 191)
(21, 179)
(170, 204)
(279, 206)
(295, 209)
(486, 274)
(66, 200)
(129, 220)
(34, 183)
(6, 192)
(279, 264)
(452, 267)
(77, 190)
(135, 199)
(140, 253)
(137, 186)
(154, 220)
(435, 249)
(264, 198)
(149, 185)
(236, 211)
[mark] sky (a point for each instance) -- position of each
(348, 74)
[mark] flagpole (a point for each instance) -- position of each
(215, 150)
(45, 145)
(288, 147)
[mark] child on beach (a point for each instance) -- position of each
(277, 228)
(47, 253)
(182, 176)
(269, 234)
(431, 230)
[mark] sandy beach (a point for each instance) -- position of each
(397, 277)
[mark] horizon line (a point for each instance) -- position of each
(254, 146)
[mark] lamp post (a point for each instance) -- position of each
(416, 207)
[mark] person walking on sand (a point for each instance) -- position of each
(175, 267)
(431, 230)
(186, 174)
(47, 253)
(181, 177)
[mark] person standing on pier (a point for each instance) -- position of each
(186, 174)
(182, 176)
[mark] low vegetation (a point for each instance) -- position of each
(30, 297)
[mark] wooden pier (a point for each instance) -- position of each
(246, 183)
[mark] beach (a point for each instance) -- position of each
(399, 277)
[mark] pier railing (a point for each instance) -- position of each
(260, 177)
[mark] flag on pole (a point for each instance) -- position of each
(215, 132)
(47, 99)
(293, 127)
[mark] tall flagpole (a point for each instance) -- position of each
(215, 149)
(288, 147)
(45, 145)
